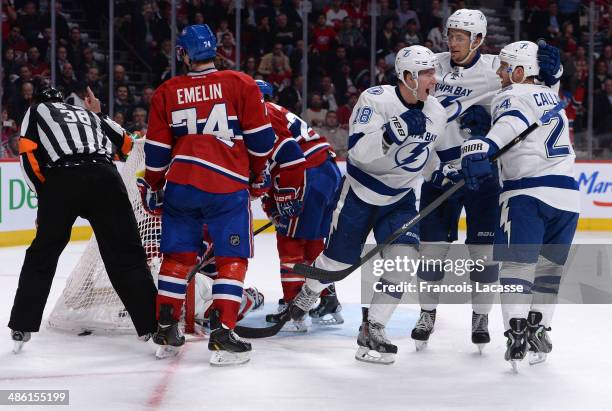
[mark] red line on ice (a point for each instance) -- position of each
(159, 392)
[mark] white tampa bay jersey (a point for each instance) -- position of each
(380, 177)
(542, 165)
(458, 89)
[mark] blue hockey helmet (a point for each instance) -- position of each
(198, 42)
(266, 88)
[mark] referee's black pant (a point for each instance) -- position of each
(95, 192)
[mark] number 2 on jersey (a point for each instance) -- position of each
(552, 149)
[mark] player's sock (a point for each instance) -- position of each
(291, 252)
(430, 276)
(172, 283)
(227, 289)
(485, 274)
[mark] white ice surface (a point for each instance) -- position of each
(315, 371)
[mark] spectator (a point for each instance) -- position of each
(9, 127)
(145, 98)
(334, 14)
(337, 136)
(222, 30)
(280, 76)
(66, 83)
(386, 12)
(265, 65)
(607, 58)
(404, 14)
(601, 75)
(250, 67)
(412, 37)
(345, 111)
(9, 63)
(436, 37)
(328, 94)
(88, 62)
(37, 66)
(17, 42)
(285, 33)
(62, 58)
(75, 48)
(139, 121)
(387, 38)
(568, 42)
(264, 36)
(349, 36)
(358, 11)
(123, 101)
(315, 114)
(29, 21)
(92, 78)
(62, 31)
(380, 72)
(291, 97)
(323, 36)
(119, 118)
(21, 102)
(162, 28)
(226, 50)
(601, 113)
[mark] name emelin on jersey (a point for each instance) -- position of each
(455, 90)
(196, 94)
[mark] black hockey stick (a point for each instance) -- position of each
(315, 273)
(263, 228)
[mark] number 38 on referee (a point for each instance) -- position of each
(66, 156)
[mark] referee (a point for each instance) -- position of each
(65, 154)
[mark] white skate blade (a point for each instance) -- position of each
(420, 345)
(514, 365)
(227, 358)
(372, 356)
(536, 357)
(481, 348)
(165, 351)
(18, 346)
(329, 319)
(295, 327)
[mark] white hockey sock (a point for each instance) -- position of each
(546, 287)
(324, 263)
(428, 297)
(488, 273)
(516, 305)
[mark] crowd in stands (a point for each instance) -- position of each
(272, 48)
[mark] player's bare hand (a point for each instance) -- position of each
(92, 103)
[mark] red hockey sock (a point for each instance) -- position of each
(290, 251)
(227, 288)
(172, 281)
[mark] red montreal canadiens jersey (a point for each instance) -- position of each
(208, 129)
(289, 129)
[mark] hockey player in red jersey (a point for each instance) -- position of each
(304, 160)
(209, 139)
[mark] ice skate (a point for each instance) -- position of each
(423, 329)
(227, 348)
(373, 344)
(480, 330)
(328, 310)
(516, 346)
(537, 338)
(302, 303)
(19, 338)
(169, 336)
(295, 326)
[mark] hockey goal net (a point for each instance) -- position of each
(88, 302)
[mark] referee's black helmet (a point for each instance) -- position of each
(48, 94)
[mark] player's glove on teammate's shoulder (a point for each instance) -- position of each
(410, 122)
(476, 120)
(446, 176)
(475, 164)
(152, 201)
(549, 61)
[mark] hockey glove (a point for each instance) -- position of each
(476, 121)
(446, 176)
(261, 185)
(475, 163)
(152, 201)
(549, 61)
(288, 199)
(410, 122)
(269, 207)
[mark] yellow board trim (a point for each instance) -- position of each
(25, 237)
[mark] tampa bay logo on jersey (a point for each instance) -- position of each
(412, 156)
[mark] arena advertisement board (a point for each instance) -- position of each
(18, 204)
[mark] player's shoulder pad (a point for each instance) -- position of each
(444, 58)
(434, 105)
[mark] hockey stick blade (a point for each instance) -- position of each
(265, 332)
(332, 276)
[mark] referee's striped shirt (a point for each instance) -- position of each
(53, 133)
